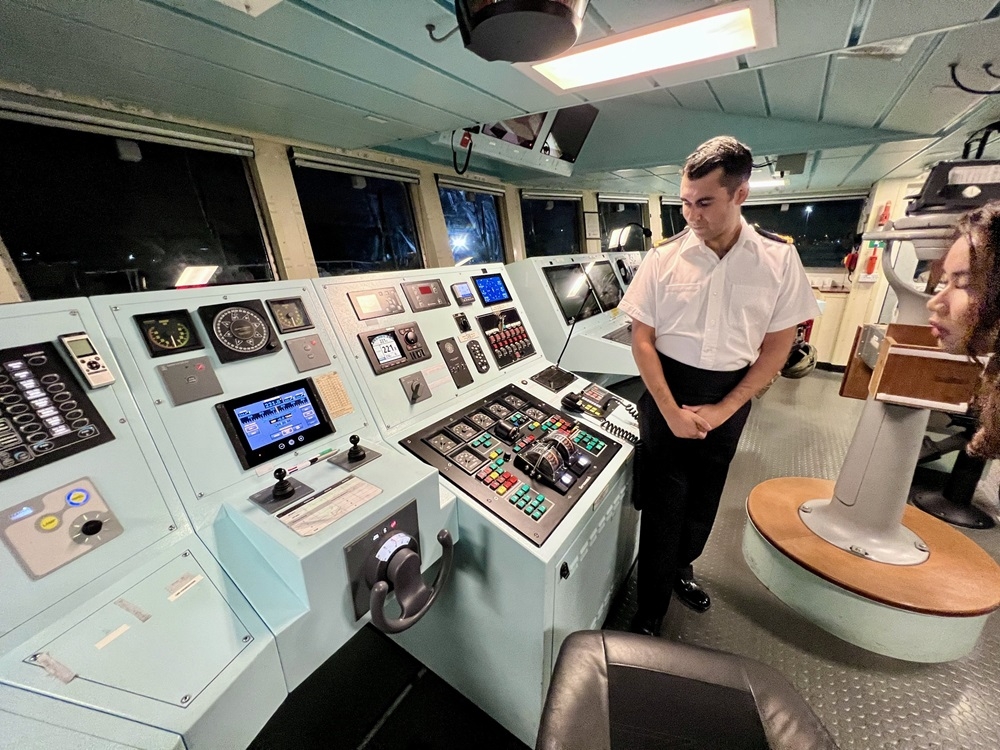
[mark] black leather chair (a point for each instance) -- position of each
(620, 691)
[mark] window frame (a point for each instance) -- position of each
(447, 182)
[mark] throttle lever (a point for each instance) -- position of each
(413, 595)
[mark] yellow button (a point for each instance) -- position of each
(494, 474)
(501, 490)
(48, 523)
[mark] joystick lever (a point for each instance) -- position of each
(356, 452)
(397, 567)
(283, 489)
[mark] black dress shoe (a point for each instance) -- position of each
(692, 594)
(645, 624)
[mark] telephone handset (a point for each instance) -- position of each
(624, 270)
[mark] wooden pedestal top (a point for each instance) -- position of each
(959, 579)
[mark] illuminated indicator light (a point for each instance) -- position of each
(77, 497)
(23, 513)
(668, 45)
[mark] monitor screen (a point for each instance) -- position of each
(492, 289)
(605, 282)
(569, 130)
(572, 291)
(386, 347)
(265, 424)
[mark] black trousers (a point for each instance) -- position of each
(678, 481)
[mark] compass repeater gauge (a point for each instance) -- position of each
(168, 332)
(239, 330)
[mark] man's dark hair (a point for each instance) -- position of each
(723, 151)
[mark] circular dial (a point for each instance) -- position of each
(290, 315)
(240, 329)
(168, 333)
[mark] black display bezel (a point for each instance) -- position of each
(157, 351)
(302, 309)
(250, 457)
(475, 284)
(402, 359)
(582, 309)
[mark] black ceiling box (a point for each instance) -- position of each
(519, 30)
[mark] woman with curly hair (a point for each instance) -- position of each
(965, 314)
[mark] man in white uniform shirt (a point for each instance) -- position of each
(714, 312)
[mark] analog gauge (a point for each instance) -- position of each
(168, 332)
(289, 314)
(239, 331)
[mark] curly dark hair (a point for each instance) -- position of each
(981, 229)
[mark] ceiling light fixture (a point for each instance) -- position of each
(714, 33)
(763, 184)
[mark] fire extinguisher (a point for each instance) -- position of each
(883, 216)
(872, 263)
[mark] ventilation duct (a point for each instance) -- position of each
(519, 30)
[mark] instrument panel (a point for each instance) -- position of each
(516, 456)
(239, 330)
(169, 332)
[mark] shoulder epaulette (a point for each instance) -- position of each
(772, 236)
(677, 236)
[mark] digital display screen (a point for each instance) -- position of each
(492, 289)
(80, 347)
(572, 291)
(605, 283)
(265, 424)
(386, 348)
(425, 289)
(368, 303)
(278, 418)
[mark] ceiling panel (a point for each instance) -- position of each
(794, 90)
(623, 16)
(896, 18)
(931, 103)
(740, 93)
(51, 53)
(830, 173)
(407, 35)
(806, 27)
(696, 96)
(861, 89)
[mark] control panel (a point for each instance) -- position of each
(572, 302)
(425, 295)
(395, 346)
(508, 338)
(517, 456)
(44, 414)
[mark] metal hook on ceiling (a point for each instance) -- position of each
(431, 28)
(966, 89)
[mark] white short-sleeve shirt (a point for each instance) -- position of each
(711, 313)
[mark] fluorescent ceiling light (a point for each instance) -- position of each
(722, 31)
(773, 182)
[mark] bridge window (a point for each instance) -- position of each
(86, 213)
(358, 221)
(618, 224)
(473, 220)
(551, 225)
(823, 230)
(672, 219)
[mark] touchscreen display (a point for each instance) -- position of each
(605, 283)
(572, 291)
(492, 289)
(276, 419)
(268, 423)
(386, 348)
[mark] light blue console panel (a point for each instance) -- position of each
(290, 566)
(496, 630)
(118, 626)
(556, 289)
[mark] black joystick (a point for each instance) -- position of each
(356, 453)
(283, 489)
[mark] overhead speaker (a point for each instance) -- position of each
(519, 30)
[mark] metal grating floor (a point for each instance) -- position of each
(802, 428)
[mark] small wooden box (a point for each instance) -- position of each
(910, 370)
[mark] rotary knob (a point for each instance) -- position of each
(411, 337)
